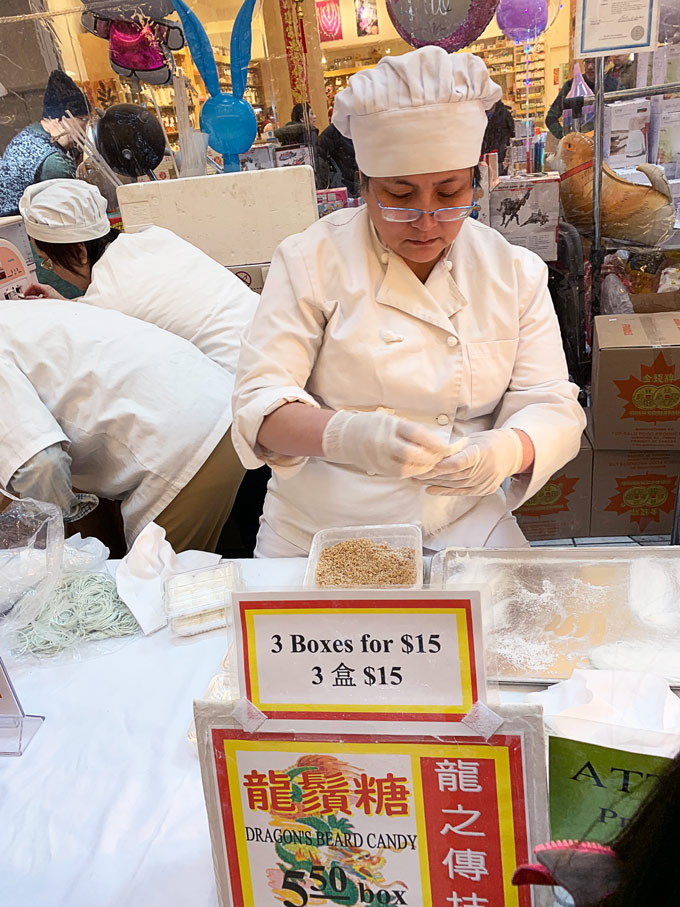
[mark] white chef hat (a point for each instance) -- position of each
(64, 211)
(422, 112)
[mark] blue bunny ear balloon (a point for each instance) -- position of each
(228, 119)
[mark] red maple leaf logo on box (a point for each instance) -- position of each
(553, 498)
(655, 396)
(644, 498)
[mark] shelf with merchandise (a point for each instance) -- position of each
(348, 71)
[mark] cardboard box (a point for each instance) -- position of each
(17, 266)
(293, 156)
(253, 276)
(636, 382)
(669, 131)
(626, 132)
(525, 209)
(561, 509)
(648, 303)
(483, 194)
(331, 200)
(634, 492)
(260, 157)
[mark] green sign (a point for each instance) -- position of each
(595, 790)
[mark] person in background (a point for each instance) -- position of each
(44, 150)
(500, 129)
(119, 409)
(301, 130)
(405, 360)
(297, 131)
(338, 153)
(554, 114)
(269, 124)
(153, 274)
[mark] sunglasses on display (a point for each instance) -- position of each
(444, 215)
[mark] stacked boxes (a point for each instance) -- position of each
(526, 210)
(561, 509)
(635, 423)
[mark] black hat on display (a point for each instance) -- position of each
(63, 94)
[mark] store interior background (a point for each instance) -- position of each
(32, 47)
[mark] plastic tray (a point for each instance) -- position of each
(396, 535)
(200, 600)
(550, 610)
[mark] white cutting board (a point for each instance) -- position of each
(236, 218)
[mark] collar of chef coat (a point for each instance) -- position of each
(434, 301)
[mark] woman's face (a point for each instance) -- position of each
(80, 278)
(424, 240)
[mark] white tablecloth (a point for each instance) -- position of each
(105, 808)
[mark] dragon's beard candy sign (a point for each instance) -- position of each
(352, 819)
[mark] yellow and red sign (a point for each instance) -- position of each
(355, 819)
(344, 655)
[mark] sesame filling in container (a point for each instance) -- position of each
(376, 556)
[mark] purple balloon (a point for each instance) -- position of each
(522, 20)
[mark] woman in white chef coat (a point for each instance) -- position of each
(405, 360)
(153, 274)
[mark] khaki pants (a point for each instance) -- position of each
(195, 518)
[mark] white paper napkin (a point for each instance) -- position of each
(627, 710)
(142, 572)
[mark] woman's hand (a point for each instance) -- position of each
(40, 291)
(381, 444)
(483, 462)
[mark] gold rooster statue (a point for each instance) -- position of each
(643, 215)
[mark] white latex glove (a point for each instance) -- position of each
(40, 291)
(381, 444)
(47, 477)
(486, 460)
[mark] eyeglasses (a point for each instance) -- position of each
(443, 215)
(47, 264)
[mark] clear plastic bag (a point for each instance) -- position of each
(56, 597)
(615, 297)
(31, 553)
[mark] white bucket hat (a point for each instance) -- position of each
(422, 112)
(64, 211)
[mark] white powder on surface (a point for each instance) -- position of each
(655, 593)
(526, 599)
(638, 656)
(523, 655)
(546, 614)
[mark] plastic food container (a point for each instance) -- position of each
(550, 610)
(397, 535)
(200, 600)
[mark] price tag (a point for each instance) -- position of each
(311, 655)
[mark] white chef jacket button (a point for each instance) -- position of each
(384, 258)
(442, 419)
(452, 341)
(448, 265)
